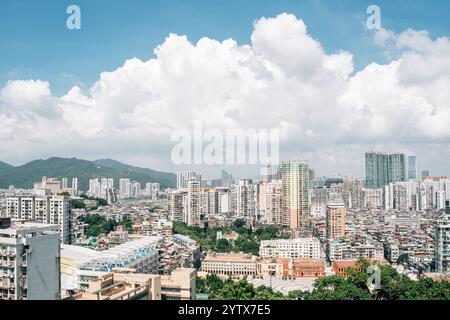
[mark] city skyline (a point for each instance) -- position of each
(410, 170)
(406, 170)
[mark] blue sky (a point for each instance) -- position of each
(36, 44)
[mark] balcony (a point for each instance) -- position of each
(7, 264)
(4, 285)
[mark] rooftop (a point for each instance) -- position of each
(21, 227)
(120, 256)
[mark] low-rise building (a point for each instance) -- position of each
(339, 250)
(303, 267)
(121, 286)
(80, 265)
(234, 265)
(179, 285)
(270, 268)
(341, 267)
(126, 284)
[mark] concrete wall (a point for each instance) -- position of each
(44, 281)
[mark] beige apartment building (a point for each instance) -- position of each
(295, 199)
(335, 221)
(120, 285)
(235, 265)
(179, 285)
(125, 284)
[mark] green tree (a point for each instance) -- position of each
(239, 223)
(211, 283)
(76, 204)
(403, 258)
(267, 293)
(222, 245)
(336, 288)
(128, 224)
(97, 225)
(240, 290)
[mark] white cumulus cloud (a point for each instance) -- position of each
(283, 79)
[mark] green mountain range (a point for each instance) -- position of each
(26, 175)
(4, 167)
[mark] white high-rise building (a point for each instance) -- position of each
(223, 200)
(193, 202)
(123, 186)
(136, 189)
(101, 188)
(75, 185)
(94, 188)
(176, 205)
(153, 190)
(273, 172)
(270, 202)
(148, 189)
(64, 184)
(440, 200)
(245, 198)
(43, 209)
(442, 243)
(30, 261)
(184, 177)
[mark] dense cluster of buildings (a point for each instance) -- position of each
(104, 188)
(332, 222)
(35, 265)
(281, 199)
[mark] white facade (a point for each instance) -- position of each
(245, 199)
(81, 265)
(270, 202)
(290, 248)
(29, 261)
(193, 202)
(442, 245)
(224, 199)
(184, 177)
(43, 209)
(75, 185)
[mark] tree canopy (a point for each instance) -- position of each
(98, 225)
(248, 239)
